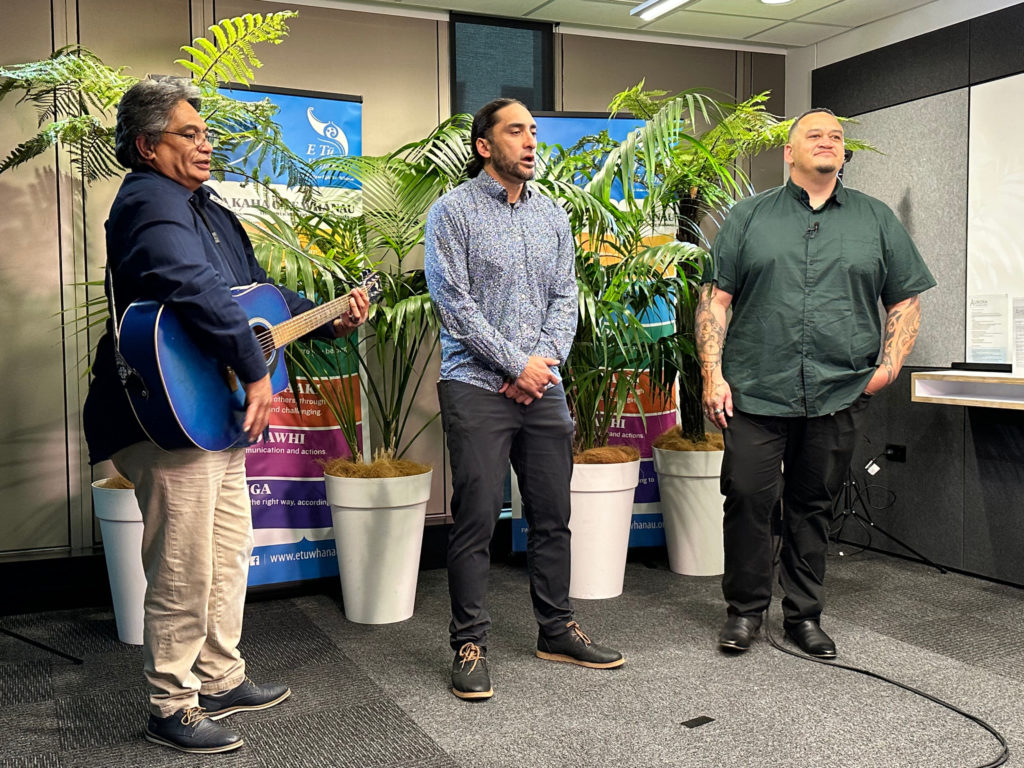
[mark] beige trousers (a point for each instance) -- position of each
(196, 542)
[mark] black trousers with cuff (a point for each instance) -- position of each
(485, 430)
(801, 462)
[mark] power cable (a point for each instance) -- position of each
(1004, 754)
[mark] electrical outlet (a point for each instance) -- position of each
(896, 452)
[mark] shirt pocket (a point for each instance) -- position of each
(863, 259)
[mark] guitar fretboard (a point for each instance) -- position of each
(298, 326)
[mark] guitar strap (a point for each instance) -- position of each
(129, 376)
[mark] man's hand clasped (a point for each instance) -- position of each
(531, 384)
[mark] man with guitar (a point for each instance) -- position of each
(169, 243)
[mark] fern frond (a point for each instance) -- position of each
(230, 55)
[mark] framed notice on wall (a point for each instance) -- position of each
(292, 527)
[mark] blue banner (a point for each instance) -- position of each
(313, 127)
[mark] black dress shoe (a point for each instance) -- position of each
(574, 647)
(738, 632)
(812, 639)
(247, 696)
(191, 730)
(470, 678)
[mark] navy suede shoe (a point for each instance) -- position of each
(191, 730)
(247, 696)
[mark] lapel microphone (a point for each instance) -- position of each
(811, 231)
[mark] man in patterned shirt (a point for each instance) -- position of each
(500, 267)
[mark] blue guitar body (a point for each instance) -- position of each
(187, 398)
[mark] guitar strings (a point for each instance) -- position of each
(265, 338)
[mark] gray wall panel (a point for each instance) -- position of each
(923, 177)
(926, 492)
(994, 493)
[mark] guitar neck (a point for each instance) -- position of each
(298, 326)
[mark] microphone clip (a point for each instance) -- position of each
(811, 231)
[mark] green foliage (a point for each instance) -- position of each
(401, 334)
(75, 95)
(230, 55)
(624, 270)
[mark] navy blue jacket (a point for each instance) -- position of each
(160, 247)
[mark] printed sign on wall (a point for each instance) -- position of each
(293, 533)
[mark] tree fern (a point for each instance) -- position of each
(230, 55)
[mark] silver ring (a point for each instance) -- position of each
(718, 410)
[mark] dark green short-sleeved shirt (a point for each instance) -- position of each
(805, 331)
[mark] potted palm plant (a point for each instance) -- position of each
(626, 268)
(378, 507)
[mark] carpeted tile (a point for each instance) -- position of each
(377, 735)
(78, 633)
(29, 729)
(39, 760)
(100, 719)
(277, 635)
(26, 682)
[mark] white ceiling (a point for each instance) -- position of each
(750, 22)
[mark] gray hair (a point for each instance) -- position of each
(145, 110)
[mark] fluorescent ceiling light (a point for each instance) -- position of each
(776, 2)
(652, 9)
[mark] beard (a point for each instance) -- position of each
(509, 167)
(826, 166)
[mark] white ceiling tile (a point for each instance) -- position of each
(756, 8)
(853, 13)
(600, 14)
(506, 8)
(796, 33)
(710, 25)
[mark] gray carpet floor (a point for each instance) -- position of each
(378, 696)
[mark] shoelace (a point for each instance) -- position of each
(470, 652)
(193, 716)
(574, 627)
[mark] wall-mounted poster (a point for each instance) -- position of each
(647, 529)
(293, 532)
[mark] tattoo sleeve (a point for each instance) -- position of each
(902, 323)
(709, 332)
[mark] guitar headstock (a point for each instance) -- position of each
(369, 281)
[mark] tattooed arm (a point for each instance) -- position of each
(901, 326)
(709, 335)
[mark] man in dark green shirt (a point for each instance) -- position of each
(803, 267)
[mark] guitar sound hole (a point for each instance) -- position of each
(262, 331)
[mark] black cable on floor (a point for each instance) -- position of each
(1003, 756)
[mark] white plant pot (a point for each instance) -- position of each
(121, 528)
(691, 508)
(602, 512)
(378, 532)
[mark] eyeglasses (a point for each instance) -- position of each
(198, 137)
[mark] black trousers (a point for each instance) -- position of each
(800, 462)
(485, 431)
